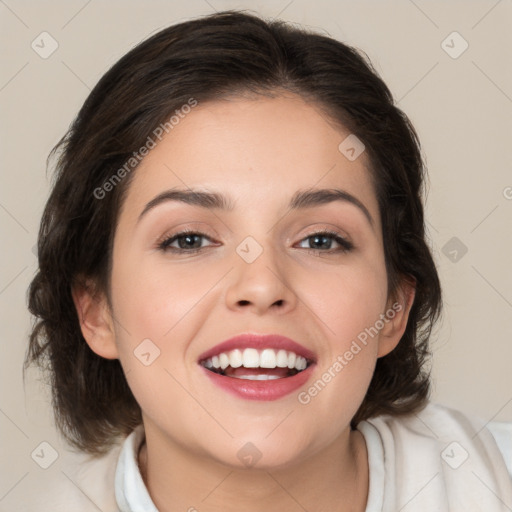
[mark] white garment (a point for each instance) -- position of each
(438, 460)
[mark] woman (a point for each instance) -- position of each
(234, 274)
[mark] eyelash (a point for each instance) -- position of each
(345, 245)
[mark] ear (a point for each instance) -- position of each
(95, 319)
(397, 315)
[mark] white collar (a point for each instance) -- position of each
(131, 492)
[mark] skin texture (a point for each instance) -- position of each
(258, 152)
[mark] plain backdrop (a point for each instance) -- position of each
(448, 65)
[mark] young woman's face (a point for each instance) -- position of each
(256, 264)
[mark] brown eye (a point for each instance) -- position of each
(185, 241)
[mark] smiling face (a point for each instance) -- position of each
(257, 259)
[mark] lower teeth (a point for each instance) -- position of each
(261, 376)
(258, 377)
(254, 376)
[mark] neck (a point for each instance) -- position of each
(335, 478)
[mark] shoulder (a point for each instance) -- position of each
(438, 457)
(437, 425)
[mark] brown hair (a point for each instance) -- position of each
(215, 56)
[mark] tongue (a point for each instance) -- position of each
(237, 372)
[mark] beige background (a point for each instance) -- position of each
(461, 107)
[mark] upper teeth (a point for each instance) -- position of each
(252, 358)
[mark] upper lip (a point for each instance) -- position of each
(259, 341)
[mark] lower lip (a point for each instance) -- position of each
(261, 389)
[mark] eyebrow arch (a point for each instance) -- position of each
(212, 200)
(316, 197)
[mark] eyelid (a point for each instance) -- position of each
(327, 228)
(189, 228)
(345, 243)
(331, 231)
(164, 243)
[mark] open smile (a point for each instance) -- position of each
(253, 364)
(259, 367)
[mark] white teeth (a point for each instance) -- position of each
(224, 360)
(252, 358)
(235, 358)
(258, 377)
(282, 359)
(300, 364)
(268, 359)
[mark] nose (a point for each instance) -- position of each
(260, 286)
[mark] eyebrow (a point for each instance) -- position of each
(212, 200)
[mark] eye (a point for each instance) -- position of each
(323, 240)
(184, 241)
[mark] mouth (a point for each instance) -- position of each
(254, 364)
(258, 367)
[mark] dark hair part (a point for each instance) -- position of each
(209, 58)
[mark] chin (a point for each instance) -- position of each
(263, 454)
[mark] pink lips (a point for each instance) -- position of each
(259, 341)
(266, 389)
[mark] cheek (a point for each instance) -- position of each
(347, 300)
(152, 302)
(159, 312)
(153, 320)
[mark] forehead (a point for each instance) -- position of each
(253, 150)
